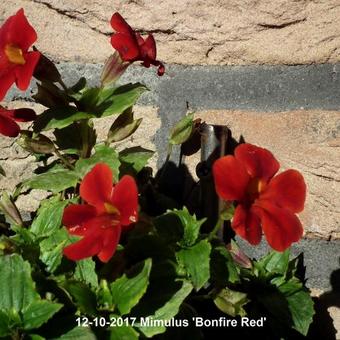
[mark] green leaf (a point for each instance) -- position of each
(36, 337)
(231, 302)
(196, 261)
(135, 157)
(36, 144)
(17, 289)
(223, 268)
(78, 333)
(300, 304)
(123, 127)
(70, 139)
(128, 290)
(169, 227)
(275, 262)
(86, 272)
(51, 249)
(49, 217)
(39, 312)
(59, 117)
(55, 180)
(107, 101)
(191, 226)
(50, 95)
(123, 332)
(103, 154)
(82, 296)
(182, 130)
(168, 311)
(104, 296)
(5, 324)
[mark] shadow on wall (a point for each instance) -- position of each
(323, 326)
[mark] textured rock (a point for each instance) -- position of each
(308, 141)
(214, 32)
(19, 165)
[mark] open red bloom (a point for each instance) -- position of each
(16, 63)
(8, 126)
(265, 202)
(131, 46)
(100, 221)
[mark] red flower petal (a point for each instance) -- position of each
(287, 190)
(17, 31)
(126, 45)
(120, 25)
(24, 72)
(140, 39)
(125, 199)
(247, 224)
(110, 243)
(281, 227)
(230, 177)
(96, 187)
(23, 115)
(6, 81)
(259, 163)
(76, 218)
(88, 246)
(149, 48)
(8, 127)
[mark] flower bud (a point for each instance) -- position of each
(238, 255)
(10, 210)
(113, 69)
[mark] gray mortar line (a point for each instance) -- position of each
(254, 88)
(257, 88)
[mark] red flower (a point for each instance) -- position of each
(100, 222)
(264, 201)
(131, 46)
(16, 63)
(8, 126)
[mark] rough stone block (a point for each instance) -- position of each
(214, 32)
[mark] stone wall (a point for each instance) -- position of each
(195, 32)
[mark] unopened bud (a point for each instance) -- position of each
(113, 69)
(238, 255)
(10, 210)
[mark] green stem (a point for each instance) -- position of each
(64, 160)
(217, 227)
(85, 138)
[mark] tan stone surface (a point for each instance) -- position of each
(19, 166)
(308, 141)
(216, 32)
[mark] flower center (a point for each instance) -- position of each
(14, 54)
(254, 188)
(111, 209)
